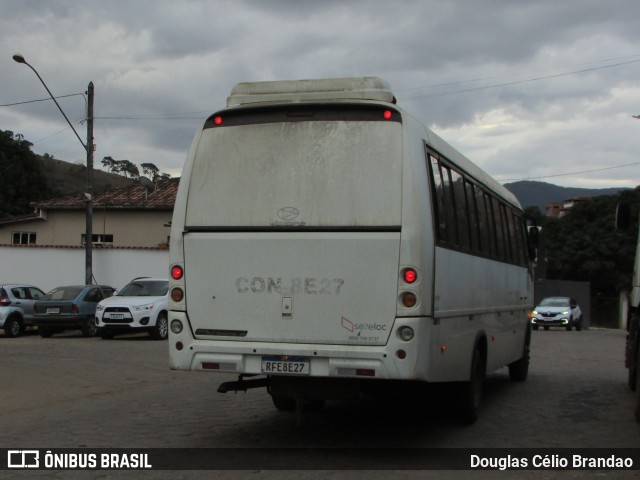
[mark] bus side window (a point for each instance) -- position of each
(472, 213)
(499, 226)
(484, 221)
(438, 199)
(449, 206)
(460, 209)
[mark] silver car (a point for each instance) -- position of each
(557, 312)
(16, 307)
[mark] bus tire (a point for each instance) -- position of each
(471, 391)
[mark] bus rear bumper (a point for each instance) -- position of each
(398, 360)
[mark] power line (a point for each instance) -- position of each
(515, 82)
(567, 174)
(492, 77)
(39, 100)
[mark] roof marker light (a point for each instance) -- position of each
(217, 120)
(387, 114)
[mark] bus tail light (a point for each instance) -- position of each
(176, 326)
(409, 299)
(409, 275)
(405, 333)
(177, 272)
(177, 294)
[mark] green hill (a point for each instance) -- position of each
(64, 178)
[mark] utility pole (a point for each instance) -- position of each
(89, 146)
(89, 194)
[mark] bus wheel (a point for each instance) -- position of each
(471, 391)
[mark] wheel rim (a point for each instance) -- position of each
(163, 327)
(14, 328)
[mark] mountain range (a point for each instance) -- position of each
(539, 194)
(68, 178)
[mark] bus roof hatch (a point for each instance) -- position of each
(326, 89)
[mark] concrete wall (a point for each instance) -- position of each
(49, 267)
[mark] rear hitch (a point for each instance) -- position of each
(242, 385)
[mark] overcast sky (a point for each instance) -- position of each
(527, 89)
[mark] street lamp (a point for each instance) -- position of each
(88, 240)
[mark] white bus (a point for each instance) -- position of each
(323, 240)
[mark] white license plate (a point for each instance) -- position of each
(116, 316)
(289, 366)
(53, 310)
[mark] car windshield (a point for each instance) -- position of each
(146, 288)
(555, 302)
(63, 293)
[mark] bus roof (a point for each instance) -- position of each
(326, 89)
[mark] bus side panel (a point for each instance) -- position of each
(476, 296)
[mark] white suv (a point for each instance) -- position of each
(141, 305)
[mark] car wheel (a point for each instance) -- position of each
(13, 326)
(161, 330)
(45, 332)
(471, 391)
(89, 329)
(578, 325)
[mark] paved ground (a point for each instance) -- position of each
(70, 391)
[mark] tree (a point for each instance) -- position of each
(151, 170)
(22, 180)
(584, 245)
(109, 163)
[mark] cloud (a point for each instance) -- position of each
(467, 69)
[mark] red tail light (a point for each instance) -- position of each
(5, 301)
(177, 272)
(410, 275)
(74, 309)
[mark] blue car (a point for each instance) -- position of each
(68, 308)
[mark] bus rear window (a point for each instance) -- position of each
(298, 168)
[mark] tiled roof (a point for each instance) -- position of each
(132, 197)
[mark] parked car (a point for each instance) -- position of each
(141, 305)
(16, 307)
(70, 307)
(557, 312)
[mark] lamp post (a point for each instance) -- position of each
(88, 240)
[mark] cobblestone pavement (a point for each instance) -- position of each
(75, 392)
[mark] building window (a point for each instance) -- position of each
(23, 238)
(99, 239)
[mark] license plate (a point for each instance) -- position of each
(116, 316)
(288, 366)
(53, 310)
